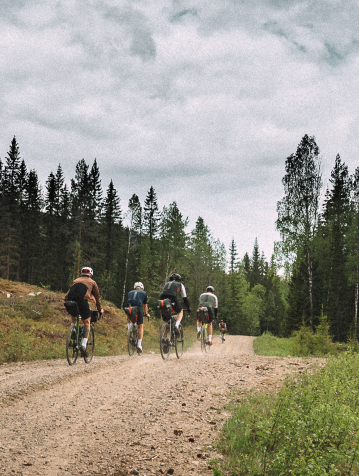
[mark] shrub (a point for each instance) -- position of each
(310, 428)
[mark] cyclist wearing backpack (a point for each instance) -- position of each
(82, 290)
(223, 328)
(138, 297)
(171, 290)
(210, 301)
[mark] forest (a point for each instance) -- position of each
(49, 232)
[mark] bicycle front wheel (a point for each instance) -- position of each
(204, 338)
(132, 340)
(165, 346)
(71, 346)
(179, 342)
(90, 346)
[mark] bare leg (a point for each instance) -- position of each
(140, 331)
(179, 316)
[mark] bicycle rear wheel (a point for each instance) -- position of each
(90, 346)
(179, 342)
(204, 338)
(165, 346)
(132, 339)
(71, 347)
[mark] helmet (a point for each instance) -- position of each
(138, 285)
(175, 277)
(210, 288)
(221, 320)
(86, 271)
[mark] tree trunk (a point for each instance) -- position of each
(356, 303)
(126, 267)
(310, 287)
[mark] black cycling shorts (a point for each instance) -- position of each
(84, 309)
(176, 304)
(139, 318)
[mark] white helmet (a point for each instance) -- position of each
(138, 285)
(86, 271)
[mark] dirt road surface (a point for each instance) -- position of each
(128, 415)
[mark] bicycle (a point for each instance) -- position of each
(203, 316)
(132, 334)
(75, 335)
(168, 337)
(222, 337)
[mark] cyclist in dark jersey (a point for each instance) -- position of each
(223, 328)
(138, 297)
(171, 290)
(209, 300)
(82, 290)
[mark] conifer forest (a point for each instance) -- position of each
(50, 231)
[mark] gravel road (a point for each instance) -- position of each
(128, 415)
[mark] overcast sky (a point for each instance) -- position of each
(203, 100)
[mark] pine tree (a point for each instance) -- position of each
(335, 224)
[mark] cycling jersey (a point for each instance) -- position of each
(209, 300)
(171, 290)
(137, 298)
(84, 289)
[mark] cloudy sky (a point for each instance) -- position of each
(203, 100)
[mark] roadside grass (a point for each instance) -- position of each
(303, 343)
(310, 428)
(34, 326)
(268, 344)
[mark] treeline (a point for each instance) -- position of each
(320, 235)
(48, 234)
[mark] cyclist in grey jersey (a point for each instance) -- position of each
(209, 300)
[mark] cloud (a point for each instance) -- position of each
(204, 100)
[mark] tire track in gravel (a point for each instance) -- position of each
(121, 415)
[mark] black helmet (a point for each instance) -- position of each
(210, 288)
(175, 277)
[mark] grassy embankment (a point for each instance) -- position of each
(311, 427)
(34, 326)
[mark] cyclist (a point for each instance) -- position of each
(82, 290)
(209, 300)
(138, 297)
(171, 290)
(223, 328)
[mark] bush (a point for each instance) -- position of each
(310, 428)
(307, 342)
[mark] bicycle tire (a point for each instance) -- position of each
(90, 346)
(165, 346)
(132, 338)
(204, 339)
(179, 343)
(71, 351)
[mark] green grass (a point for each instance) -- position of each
(310, 428)
(35, 327)
(267, 344)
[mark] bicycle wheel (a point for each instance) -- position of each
(204, 338)
(179, 342)
(165, 346)
(132, 340)
(71, 351)
(90, 346)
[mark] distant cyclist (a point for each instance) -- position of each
(171, 290)
(223, 328)
(82, 290)
(138, 297)
(209, 300)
